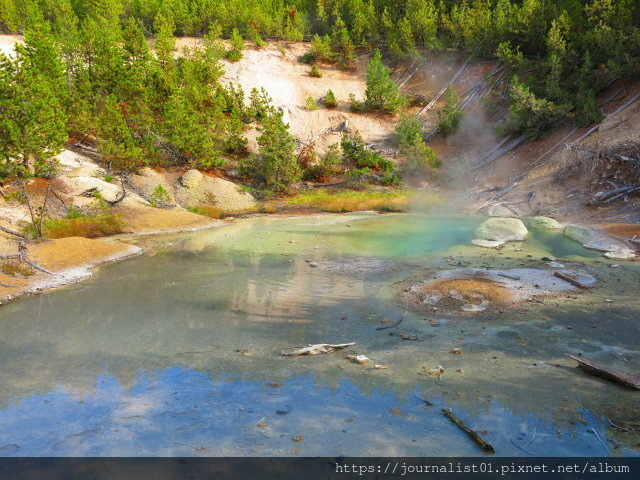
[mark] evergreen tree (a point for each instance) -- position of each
(276, 165)
(32, 120)
(237, 46)
(381, 93)
(118, 145)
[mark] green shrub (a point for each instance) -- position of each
(160, 197)
(355, 154)
(354, 105)
(420, 160)
(315, 71)
(381, 93)
(310, 104)
(325, 168)
(391, 179)
(330, 100)
(450, 115)
(307, 58)
(74, 212)
(408, 131)
(108, 178)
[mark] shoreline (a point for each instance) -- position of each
(98, 252)
(105, 250)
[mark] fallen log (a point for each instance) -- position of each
(487, 447)
(629, 190)
(498, 153)
(606, 196)
(317, 349)
(604, 153)
(537, 161)
(571, 280)
(612, 114)
(35, 265)
(506, 275)
(460, 71)
(629, 380)
(11, 232)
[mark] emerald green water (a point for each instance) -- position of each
(142, 359)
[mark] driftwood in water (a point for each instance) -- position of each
(487, 447)
(571, 280)
(629, 380)
(317, 349)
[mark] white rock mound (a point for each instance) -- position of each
(195, 189)
(494, 232)
(597, 240)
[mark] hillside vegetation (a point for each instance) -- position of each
(108, 75)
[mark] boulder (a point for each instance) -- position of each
(86, 170)
(543, 223)
(76, 186)
(597, 240)
(501, 230)
(195, 189)
(147, 180)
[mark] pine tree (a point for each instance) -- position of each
(32, 120)
(330, 100)
(381, 93)
(276, 165)
(237, 46)
(118, 145)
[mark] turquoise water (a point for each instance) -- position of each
(145, 358)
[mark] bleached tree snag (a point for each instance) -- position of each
(317, 349)
(11, 232)
(490, 158)
(629, 380)
(35, 265)
(569, 279)
(435, 99)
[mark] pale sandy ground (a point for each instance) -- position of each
(70, 260)
(7, 42)
(288, 83)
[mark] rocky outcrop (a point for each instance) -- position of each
(542, 223)
(146, 180)
(497, 231)
(194, 189)
(597, 240)
(76, 186)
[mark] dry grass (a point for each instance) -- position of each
(88, 227)
(207, 211)
(16, 269)
(352, 201)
